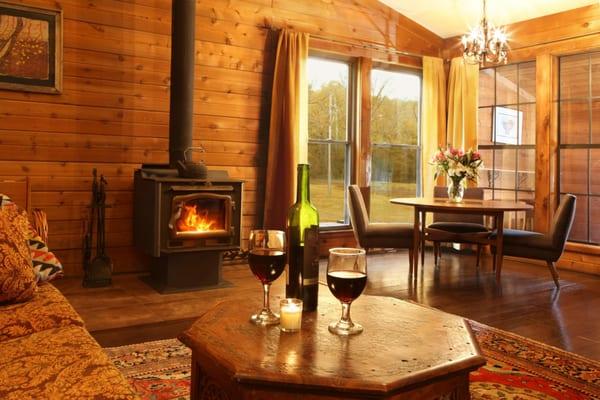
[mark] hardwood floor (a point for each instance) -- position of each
(525, 303)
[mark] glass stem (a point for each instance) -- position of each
(346, 313)
(266, 296)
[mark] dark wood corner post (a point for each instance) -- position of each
(183, 59)
(362, 172)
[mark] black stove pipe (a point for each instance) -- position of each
(183, 27)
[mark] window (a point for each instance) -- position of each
(395, 142)
(579, 141)
(506, 136)
(329, 139)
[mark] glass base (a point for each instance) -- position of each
(264, 318)
(345, 328)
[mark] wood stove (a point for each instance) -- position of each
(186, 225)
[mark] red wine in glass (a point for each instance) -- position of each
(346, 286)
(266, 264)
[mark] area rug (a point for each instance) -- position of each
(517, 369)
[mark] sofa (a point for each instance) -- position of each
(46, 352)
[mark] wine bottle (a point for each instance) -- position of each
(303, 245)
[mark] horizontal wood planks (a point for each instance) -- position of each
(114, 110)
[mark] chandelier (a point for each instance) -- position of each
(485, 43)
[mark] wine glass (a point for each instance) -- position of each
(267, 262)
(346, 278)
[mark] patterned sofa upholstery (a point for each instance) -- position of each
(46, 353)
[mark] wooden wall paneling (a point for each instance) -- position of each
(113, 112)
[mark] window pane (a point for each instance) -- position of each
(505, 163)
(574, 122)
(506, 85)
(526, 173)
(394, 174)
(485, 173)
(528, 116)
(594, 219)
(574, 171)
(526, 217)
(579, 229)
(327, 183)
(596, 121)
(595, 74)
(486, 87)
(484, 129)
(527, 83)
(574, 76)
(327, 99)
(595, 171)
(395, 100)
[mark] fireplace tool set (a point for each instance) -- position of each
(98, 271)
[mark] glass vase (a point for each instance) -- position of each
(456, 189)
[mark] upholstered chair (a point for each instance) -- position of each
(456, 228)
(377, 235)
(546, 247)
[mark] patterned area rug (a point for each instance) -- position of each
(517, 368)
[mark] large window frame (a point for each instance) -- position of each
(589, 100)
(351, 132)
(502, 147)
(417, 147)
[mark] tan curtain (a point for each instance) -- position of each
(463, 84)
(433, 117)
(288, 127)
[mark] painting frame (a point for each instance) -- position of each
(508, 126)
(54, 58)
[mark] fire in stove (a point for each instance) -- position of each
(200, 215)
(192, 220)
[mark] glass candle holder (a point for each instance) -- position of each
(290, 315)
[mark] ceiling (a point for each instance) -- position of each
(448, 18)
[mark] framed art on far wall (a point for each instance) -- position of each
(508, 125)
(30, 49)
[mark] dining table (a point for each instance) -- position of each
(492, 208)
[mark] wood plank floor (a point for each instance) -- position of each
(526, 302)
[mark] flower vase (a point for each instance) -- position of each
(456, 189)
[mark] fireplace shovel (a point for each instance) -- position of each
(98, 272)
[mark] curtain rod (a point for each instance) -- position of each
(367, 46)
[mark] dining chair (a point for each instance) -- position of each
(546, 247)
(455, 228)
(381, 235)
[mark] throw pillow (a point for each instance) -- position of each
(17, 279)
(45, 264)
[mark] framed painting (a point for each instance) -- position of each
(508, 125)
(30, 49)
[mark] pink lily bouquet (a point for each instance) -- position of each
(458, 165)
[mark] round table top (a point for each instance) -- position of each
(438, 203)
(402, 344)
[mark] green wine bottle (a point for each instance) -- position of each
(303, 245)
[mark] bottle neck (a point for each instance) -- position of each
(303, 189)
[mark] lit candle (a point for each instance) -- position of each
(290, 318)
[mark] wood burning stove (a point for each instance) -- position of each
(186, 225)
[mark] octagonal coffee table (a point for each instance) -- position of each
(406, 351)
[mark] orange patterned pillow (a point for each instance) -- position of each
(17, 279)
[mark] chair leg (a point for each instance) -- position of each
(436, 253)
(478, 255)
(422, 251)
(494, 259)
(554, 273)
(410, 260)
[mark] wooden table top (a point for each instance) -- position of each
(435, 203)
(402, 344)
